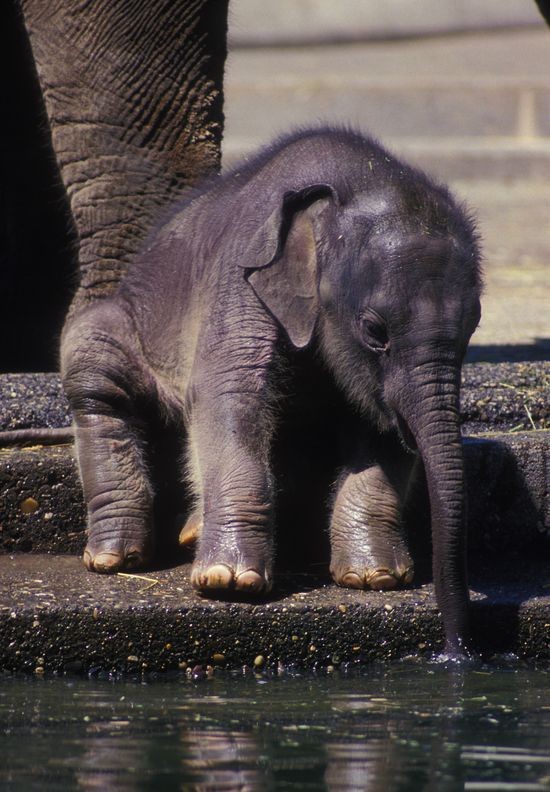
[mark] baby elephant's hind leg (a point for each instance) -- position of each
(368, 548)
(104, 384)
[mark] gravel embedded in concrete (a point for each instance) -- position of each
(75, 621)
(494, 396)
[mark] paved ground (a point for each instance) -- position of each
(472, 109)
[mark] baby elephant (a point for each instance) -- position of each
(323, 243)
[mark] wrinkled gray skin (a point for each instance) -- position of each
(133, 94)
(326, 244)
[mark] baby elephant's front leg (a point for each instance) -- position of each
(229, 460)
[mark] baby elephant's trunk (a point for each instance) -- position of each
(430, 408)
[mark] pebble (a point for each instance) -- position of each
(198, 672)
(29, 505)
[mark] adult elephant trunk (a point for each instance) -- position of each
(429, 407)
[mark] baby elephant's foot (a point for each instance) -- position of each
(377, 578)
(231, 570)
(222, 577)
(386, 572)
(118, 552)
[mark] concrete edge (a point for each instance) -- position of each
(63, 619)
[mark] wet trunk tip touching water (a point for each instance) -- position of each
(432, 416)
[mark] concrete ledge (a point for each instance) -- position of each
(41, 507)
(29, 400)
(508, 487)
(507, 463)
(504, 397)
(507, 475)
(56, 617)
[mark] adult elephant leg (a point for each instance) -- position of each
(368, 548)
(107, 389)
(133, 92)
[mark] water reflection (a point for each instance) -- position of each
(366, 765)
(393, 760)
(397, 728)
(219, 760)
(109, 762)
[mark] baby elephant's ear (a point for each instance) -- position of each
(283, 259)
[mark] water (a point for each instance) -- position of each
(401, 727)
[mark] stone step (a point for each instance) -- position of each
(55, 617)
(415, 109)
(42, 511)
(504, 405)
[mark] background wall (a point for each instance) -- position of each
(459, 87)
(255, 23)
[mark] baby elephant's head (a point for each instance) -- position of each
(388, 280)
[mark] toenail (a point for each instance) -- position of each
(352, 580)
(107, 562)
(219, 576)
(133, 559)
(381, 579)
(250, 581)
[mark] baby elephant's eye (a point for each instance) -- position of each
(374, 332)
